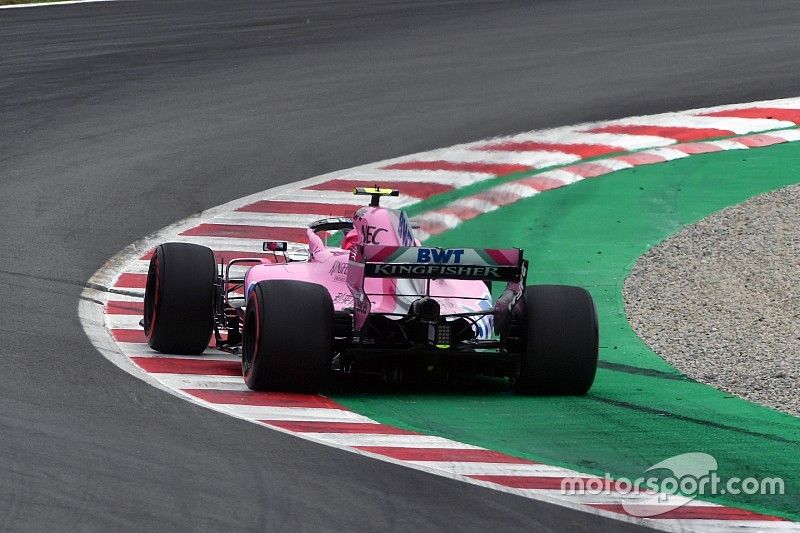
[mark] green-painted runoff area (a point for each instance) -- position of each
(640, 410)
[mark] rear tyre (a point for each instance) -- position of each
(287, 342)
(560, 344)
(179, 298)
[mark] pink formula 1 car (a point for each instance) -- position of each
(379, 303)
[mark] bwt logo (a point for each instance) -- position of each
(439, 256)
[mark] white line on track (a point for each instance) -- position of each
(46, 4)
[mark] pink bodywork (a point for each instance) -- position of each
(329, 267)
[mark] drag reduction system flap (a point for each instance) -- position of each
(417, 262)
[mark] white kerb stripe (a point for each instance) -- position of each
(727, 145)
(124, 298)
(346, 198)
(612, 164)
(446, 219)
(782, 103)
(196, 381)
(136, 349)
(538, 159)
(519, 189)
(397, 441)
(311, 414)
(241, 218)
(789, 135)
(723, 526)
(484, 206)
(446, 177)
(573, 135)
(667, 153)
(499, 469)
(560, 175)
(586, 498)
(736, 125)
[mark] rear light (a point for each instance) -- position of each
(440, 335)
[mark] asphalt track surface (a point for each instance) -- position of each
(117, 119)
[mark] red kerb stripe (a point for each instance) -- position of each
(414, 189)
(692, 512)
(172, 365)
(776, 113)
(588, 170)
(304, 208)
(581, 150)
(272, 399)
(444, 454)
(129, 280)
(498, 197)
(463, 212)
(116, 307)
(498, 169)
(697, 148)
(129, 335)
(338, 427)
(641, 159)
(757, 141)
(432, 228)
(236, 231)
(679, 133)
(541, 183)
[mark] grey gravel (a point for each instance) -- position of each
(720, 300)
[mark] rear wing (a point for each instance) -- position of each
(419, 262)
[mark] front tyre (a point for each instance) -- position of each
(560, 344)
(287, 342)
(179, 298)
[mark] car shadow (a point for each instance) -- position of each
(354, 386)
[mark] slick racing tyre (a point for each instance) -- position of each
(560, 344)
(179, 298)
(287, 343)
